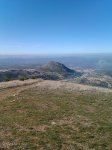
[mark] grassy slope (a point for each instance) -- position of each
(43, 119)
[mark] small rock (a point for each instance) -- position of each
(53, 123)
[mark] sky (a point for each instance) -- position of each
(55, 26)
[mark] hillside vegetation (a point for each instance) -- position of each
(51, 71)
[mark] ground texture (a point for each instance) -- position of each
(54, 115)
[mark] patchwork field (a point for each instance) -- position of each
(54, 115)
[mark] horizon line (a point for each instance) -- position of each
(55, 54)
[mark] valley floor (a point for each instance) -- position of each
(54, 115)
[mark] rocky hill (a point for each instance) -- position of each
(51, 71)
(57, 67)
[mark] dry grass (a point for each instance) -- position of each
(55, 115)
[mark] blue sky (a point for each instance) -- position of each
(55, 26)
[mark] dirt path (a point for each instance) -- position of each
(15, 87)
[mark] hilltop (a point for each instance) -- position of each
(54, 115)
(57, 67)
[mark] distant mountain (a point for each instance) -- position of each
(57, 67)
(51, 71)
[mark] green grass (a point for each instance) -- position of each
(39, 119)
